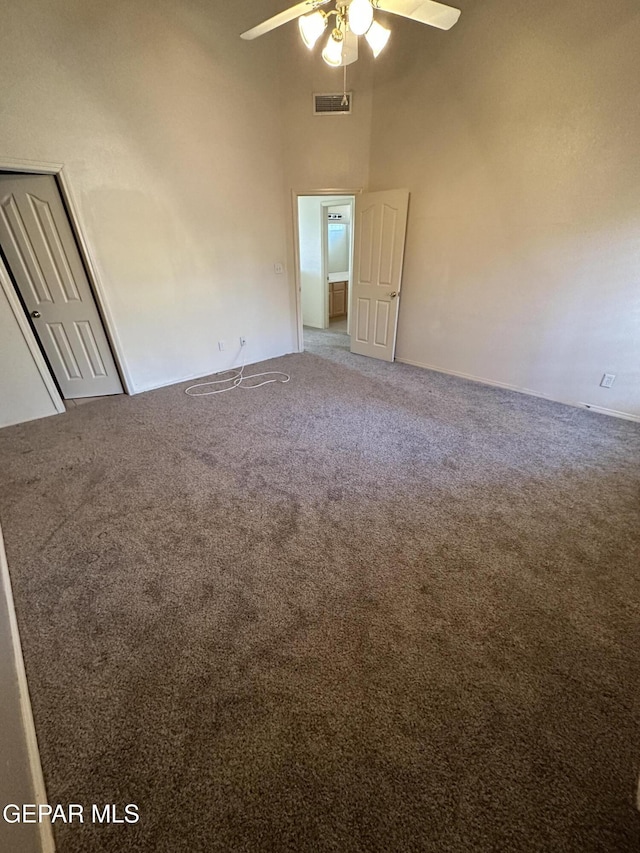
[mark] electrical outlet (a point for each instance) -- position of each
(607, 380)
(243, 341)
(221, 346)
(278, 269)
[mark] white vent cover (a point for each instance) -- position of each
(331, 105)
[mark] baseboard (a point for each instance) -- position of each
(481, 379)
(142, 389)
(155, 386)
(629, 416)
(47, 843)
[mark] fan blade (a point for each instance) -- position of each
(425, 11)
(283, 18)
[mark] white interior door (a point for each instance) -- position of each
(380, 228)
(41, 251)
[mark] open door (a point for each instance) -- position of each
(380, 228)
(38, 243)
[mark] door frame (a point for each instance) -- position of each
(59, 174)
(295, 194)
(325, 257)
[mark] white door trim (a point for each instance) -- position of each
(30, 340)
(324, 250)
(58, 171)
(295, 194)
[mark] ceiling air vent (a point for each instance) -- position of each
(332, 105)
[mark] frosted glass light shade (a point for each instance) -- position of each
(360, 16)
(377, 36)
(311, 27)
(332, 54)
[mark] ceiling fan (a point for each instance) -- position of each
(354, 18)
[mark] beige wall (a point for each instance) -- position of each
(165, 122)
(323, 152)
(517, 135)
(515, 132)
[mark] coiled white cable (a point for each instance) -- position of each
(236, 379)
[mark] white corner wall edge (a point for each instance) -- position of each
(46, 834)
(629, 416)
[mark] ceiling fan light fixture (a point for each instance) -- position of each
(360, 16)
(353, 18)
(332, 54)
(377, 36)
(311, 27)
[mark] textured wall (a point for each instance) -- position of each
(323, 152)
(517, 134)
(166, 125)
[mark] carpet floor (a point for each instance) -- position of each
(375, 609)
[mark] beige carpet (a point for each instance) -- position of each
(375, 609)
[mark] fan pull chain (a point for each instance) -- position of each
(345, 99)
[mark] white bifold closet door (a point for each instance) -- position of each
(40, 249)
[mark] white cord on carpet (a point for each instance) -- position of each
(237, 378)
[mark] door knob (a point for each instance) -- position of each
(35, 314)
(393, 294)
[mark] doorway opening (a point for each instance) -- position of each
(40, 252)
(369, 291)
(325, 237)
